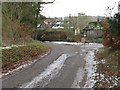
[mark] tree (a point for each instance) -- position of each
(115, 25)
(110, 9)
(20, 20)
(111, 33)
(80, 21)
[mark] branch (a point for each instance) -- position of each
(109, 9)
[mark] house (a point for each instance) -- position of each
(93, 31)
(58, 25)
(47, 23)
(77, 31)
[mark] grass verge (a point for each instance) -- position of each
(108, 68)
(15, 56)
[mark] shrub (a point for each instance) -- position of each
(111, 34)
(54, 35)
(107, 66)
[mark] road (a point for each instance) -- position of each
(63, 67)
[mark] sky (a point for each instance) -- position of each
(62, 8)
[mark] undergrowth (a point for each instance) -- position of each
(108, 68)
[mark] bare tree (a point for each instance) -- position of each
(109, 10)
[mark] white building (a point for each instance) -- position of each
(58, 25)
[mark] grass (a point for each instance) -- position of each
(18, 55)
(107, 68)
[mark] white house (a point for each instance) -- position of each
(58, 25)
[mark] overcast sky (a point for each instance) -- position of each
(61, 8)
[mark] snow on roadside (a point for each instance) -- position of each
(94, 46)
(25, 64)
(51, 70)
(9, 47)
(67, 43)
(90, 68)
(91, 63)
(20, 67)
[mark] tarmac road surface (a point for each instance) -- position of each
(63, 67)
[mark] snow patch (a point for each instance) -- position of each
(66, 43)
(103, 61)
(94, 46)
(90, 68)
(78, 78)
(9, 47)
(25, 64)
(50, 72)
(91, 45)
(20, 67)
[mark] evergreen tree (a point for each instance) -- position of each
(115, 25)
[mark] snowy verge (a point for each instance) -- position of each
(9, 47)
(88, 45)
(91, 69)
(91, 63)
(24, 64)
(67, 43)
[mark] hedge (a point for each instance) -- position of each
(54, 35)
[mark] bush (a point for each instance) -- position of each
(54, 35)
(115, 25)
(111, 34)
(22, 53)
(107, 66)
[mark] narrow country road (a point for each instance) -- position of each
(64, 67)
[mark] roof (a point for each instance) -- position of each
(93, 25)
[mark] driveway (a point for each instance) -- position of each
(66, 66)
